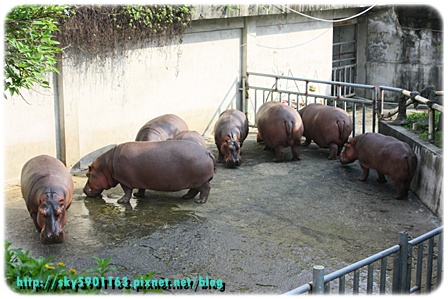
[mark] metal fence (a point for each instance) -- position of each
(413, 97)
(299, 92)
(416, 266)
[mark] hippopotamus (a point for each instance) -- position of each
(47, 188)
(192, 136)
(161, 128)
(231, 129)
(279, 126)
(170, 165)
(387, 155)
(327, 126)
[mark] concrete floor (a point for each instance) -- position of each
(261, 231)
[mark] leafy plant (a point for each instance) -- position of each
(25, 274)
(30, 50)
(421, 121)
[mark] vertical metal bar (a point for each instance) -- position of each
(370, 279)
(356, 281)
(327, 287)
(374, 107)
(403, 261)
(354, 119)
(318, 280)
(243, 96)
(409, 269)
(429, 265)
(363, 118)
(383, 275)
(439, 259)
(256, 104)
(342, 285)
(396, 274)
(419, 271)
(431, 123)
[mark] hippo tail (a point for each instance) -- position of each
(341, 128)
(289, 127)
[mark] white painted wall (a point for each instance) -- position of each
(106, 102)
(28, 130)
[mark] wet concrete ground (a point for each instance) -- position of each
(262, 229)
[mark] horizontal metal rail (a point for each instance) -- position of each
(414, 97)
(313, 80)
(402, 269)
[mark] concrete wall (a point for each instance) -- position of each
(105, 102)
(427, 183)
(404, 48)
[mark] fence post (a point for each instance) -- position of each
(399, 284)
(401, 117)
(318, 280)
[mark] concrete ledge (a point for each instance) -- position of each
(428, 179)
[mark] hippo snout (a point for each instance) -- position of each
(90, 192)
(233, 162)
(52, 236)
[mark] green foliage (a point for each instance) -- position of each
(36, 34)
(19, 265)
(30, 50)
(421, 121)
(109, 29)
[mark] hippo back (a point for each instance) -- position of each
(161, 128)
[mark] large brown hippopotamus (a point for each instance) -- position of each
(170, 165)
(231, 129)
(387, 155)
(47, 188)
(192, 136)
(161, 128)
(279, 126)
(327, 126)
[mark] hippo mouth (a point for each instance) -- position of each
(52, 239)
(91, 192)
(231, 163)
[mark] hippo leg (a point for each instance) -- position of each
(381, 178)
(295, 152)
(307, 141)
(140, 193)
(191, 193)
(365, 174)
(205, 191)
(259, 138)
(127, 194)
(279, 153)
(220, 158)
(402, 190)
(333, 151)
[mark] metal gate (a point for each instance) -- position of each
(299, 92)
(344, 57)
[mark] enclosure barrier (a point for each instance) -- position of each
(414, 97)
(403, 275)
(262, 94)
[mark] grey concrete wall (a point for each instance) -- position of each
(404, 48)
(427, 183)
